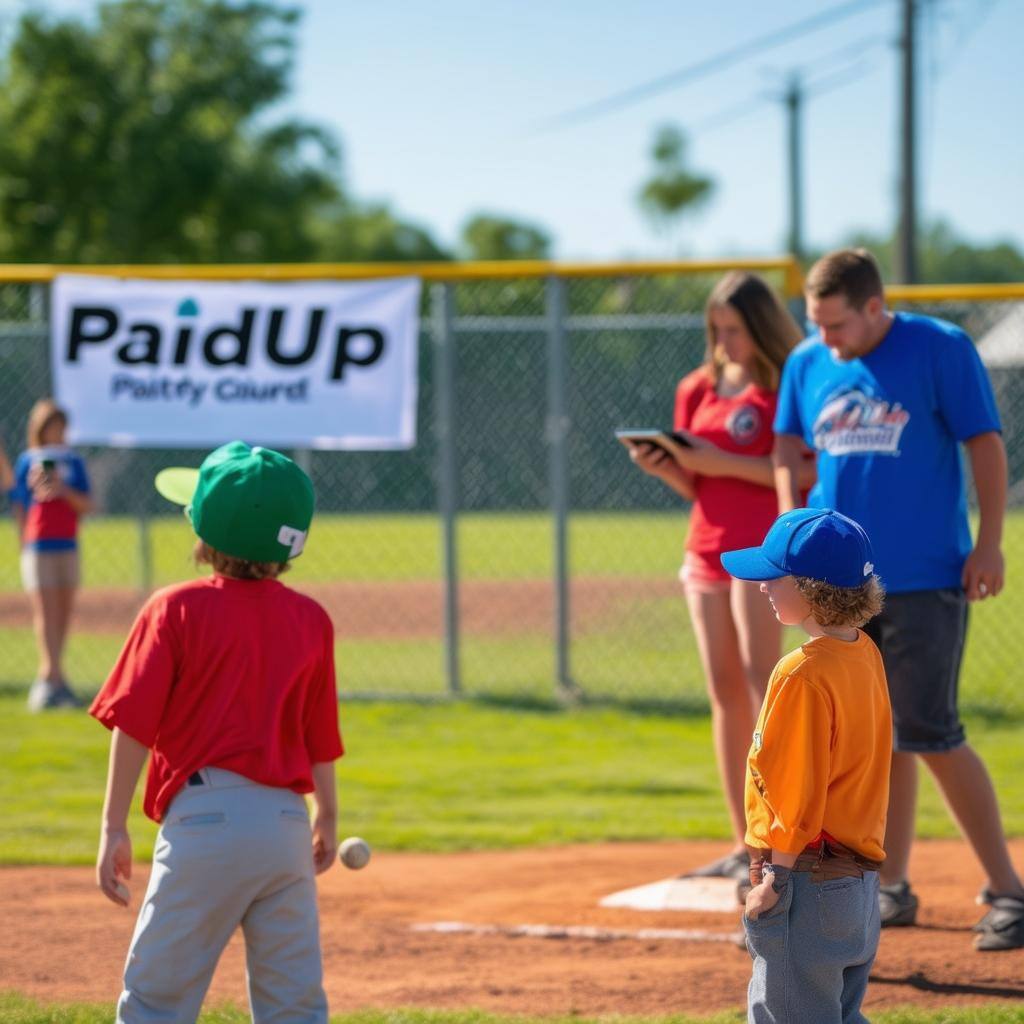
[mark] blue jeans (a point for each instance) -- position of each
(813, 952)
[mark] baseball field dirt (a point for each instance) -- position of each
(410, 609)
(64, 941)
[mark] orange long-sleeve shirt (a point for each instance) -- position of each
(820, 757)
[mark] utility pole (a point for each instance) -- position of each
(794, 107)
(906, 255)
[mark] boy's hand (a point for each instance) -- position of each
(761, 899)
(113, 863)
(325, 842)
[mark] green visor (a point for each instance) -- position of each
(177, 484)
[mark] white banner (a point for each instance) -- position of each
(192, 364)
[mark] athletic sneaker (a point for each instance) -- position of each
(897, 905)
(1003, 926)
(43, 696)
(733, 865)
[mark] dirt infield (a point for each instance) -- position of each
(406, 609)
(63, 941)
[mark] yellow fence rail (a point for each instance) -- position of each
(43, 273)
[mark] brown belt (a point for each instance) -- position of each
(829, 861)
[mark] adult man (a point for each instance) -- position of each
(886, 399)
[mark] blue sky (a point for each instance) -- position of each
(438, 104)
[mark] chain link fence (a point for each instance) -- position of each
(515, 553)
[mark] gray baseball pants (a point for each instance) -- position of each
(813, 951)
(230, 852)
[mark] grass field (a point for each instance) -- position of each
(506, 768)
(448, 776)
(646, 652)
(19, 1011)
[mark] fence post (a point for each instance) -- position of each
(558, 474)
(145, 553)
(793, 286)
(443, 338)
(37, 304)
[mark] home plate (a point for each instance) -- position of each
(715, 894)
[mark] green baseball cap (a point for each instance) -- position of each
(251, 503)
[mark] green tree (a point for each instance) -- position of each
(371, 233)
(673, 190)
(946, 257)
(490, 236)
(144, 135)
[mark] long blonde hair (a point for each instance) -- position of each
(40, 416)
(769, 323)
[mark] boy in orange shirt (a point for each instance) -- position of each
(818, 775)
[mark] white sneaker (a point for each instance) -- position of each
(43, 695)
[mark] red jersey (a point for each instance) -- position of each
(728, 513)
(226, 673)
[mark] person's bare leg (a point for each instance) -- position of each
(760, 637)
(732, 718)
(900, 822)
(43, 614)
(967, 788)
(64, 605)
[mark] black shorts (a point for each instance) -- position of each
(921, 636)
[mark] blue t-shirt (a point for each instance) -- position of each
(887, 430)
(49, 525)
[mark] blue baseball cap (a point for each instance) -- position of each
(818, 543)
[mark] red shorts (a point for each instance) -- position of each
(703, 573)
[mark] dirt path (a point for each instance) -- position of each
(411, 609)
(62, 941)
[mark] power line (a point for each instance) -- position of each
(850, 51)
(811, 89)
(853, 72)
(965, 28)
(708, 66)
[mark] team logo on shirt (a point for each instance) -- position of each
(852, 422)
(744, 424)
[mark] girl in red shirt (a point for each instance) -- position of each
(726, 409)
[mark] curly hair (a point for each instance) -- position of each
(236, 568)
(842, 606)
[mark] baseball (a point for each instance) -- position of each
(354, 853)
(123, 891)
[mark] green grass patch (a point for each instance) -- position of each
(494, 773)
(388, 547)
(642, 650)
(17, 1010)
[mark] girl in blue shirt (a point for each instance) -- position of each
(50, 494)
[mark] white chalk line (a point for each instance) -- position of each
(556, 931)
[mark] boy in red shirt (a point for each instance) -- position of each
(228, 683)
